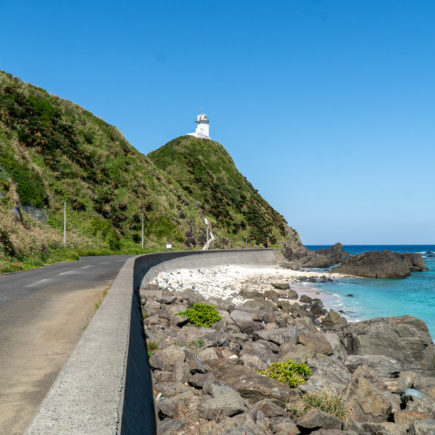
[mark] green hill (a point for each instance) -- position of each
(207, 173)
(53, 151)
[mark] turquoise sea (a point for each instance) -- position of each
(370, 298)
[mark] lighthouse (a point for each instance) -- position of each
(202, 127)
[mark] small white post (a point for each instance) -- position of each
(64, 224)
(142, 233)
(246, 241)
(267, 244)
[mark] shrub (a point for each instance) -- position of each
(201, 315)
(329, 403)
(113, 240)
(288, 372)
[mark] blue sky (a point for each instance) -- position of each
(327, 107)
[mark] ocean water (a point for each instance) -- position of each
(371, 298)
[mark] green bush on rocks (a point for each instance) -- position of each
(288, 372)
(201, 315)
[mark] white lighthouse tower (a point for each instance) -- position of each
(202, 127)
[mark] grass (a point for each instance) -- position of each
(196, 344)
(329, 403)
(100, 301)
(96, 306)
(151, 348)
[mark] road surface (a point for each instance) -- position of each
(43, 312)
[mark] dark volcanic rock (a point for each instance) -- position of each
(385, 264)
(333, 320)
(316, 419)
(325, 257)
(224, 401)
(253, 387)
(281, 285)
(406, 339)
(305, 299)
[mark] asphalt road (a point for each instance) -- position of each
(43, 313)
(89, 269)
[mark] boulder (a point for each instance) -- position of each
(281, 285)
(414, 261)
(316, 341)
(242, 424)
(419, 403)
(199, 379)
(366, 397)
(278, 336)
(292, 294)
(296, 352)
(316, 419)
(265, 350)
(245, 321)
(405, 339)
(170, 389)
(383, 366)
(167, 359)
(329, 375)
(270, 409)
(171, 426)
(224, 401)
(304, 299)
(253, 361)
(382, 428)
(255, 387)
(333, 320)
(316, 308)
(195, 365)
(170, 407)
(426, 385)
(385, 264)
(406, 418)
(400, 384)
(284, 426)
(423, 427)
(257, 305)
(250, 294)
(208, 337)
(323, 258)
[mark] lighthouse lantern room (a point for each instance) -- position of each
(202, 127)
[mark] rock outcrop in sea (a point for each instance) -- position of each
(372, 264)
(385, 264)
(379, 375)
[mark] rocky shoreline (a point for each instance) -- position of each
(370, 264)
(371, 377)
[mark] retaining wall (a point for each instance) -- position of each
(105, 386)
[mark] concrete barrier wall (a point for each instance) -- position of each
(149, 266)
(105, 386)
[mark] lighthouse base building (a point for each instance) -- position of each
(202, 127)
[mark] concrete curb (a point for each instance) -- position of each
(105, 386)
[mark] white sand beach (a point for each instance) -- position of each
(226, 282)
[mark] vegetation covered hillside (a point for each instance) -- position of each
(207, 173)
(54, 152)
